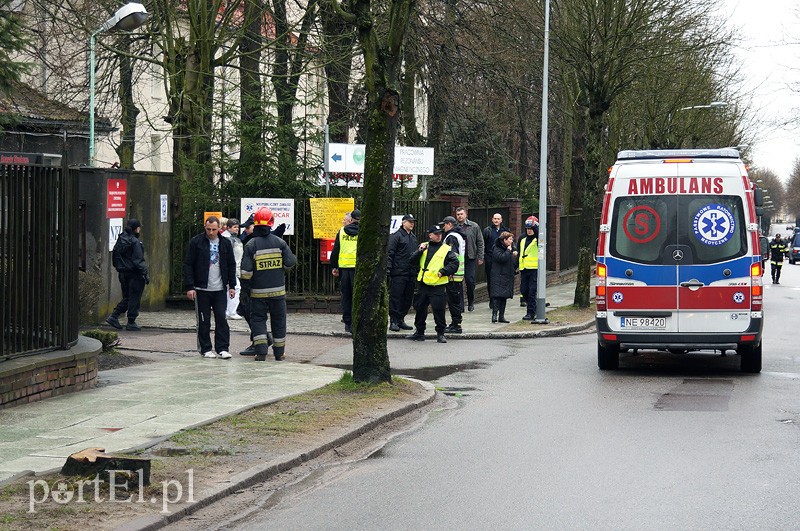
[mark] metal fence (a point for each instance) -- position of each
(311, 276)
(38, 259)
(568, 241)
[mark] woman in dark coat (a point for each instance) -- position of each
(504, 266)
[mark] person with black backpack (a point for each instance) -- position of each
(127, 258)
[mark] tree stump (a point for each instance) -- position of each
(92, 461)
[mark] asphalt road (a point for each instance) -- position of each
(539, 438)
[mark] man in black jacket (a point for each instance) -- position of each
(402, 244)
(209, 274)
(128, 259)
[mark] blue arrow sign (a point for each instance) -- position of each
(336, 157)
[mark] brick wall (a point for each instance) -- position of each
(33, 378)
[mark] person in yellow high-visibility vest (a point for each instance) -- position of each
(436, 263)
(343, 260)
(528, 246)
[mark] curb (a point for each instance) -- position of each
(549, 332)
(260, 474)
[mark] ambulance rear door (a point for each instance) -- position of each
(712, 252)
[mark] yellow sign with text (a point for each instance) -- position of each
(327, 214)
(207, 214)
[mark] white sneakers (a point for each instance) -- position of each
(234, 316)
(224, 355)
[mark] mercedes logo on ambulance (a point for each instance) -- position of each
(677, 255)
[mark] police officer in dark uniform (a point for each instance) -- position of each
(436, 263)
(128, 259)
(777, 250)
(402, 245)
(266, 257)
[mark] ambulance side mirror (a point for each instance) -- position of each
(759, 211)
(758, 197)
(594, 253)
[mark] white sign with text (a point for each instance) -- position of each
(282, 210)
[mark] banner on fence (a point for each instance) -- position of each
(282, 210)
(327, 214)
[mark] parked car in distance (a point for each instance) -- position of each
(794, 247)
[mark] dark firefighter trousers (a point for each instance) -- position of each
(275, 307)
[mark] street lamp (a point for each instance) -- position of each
(127, 18)
(712, 105)
(541, 273)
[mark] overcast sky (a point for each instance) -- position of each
(771, 64)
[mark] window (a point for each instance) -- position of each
(647, 229)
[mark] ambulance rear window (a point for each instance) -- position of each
(647, 229)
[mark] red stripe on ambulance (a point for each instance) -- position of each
(642, 297)
(715, 298)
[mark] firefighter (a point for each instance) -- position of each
(777, 250)
(265, 259)
(528, 246)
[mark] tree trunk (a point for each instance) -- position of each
(371, 300)
(595, 178)
(382, 64)
(252, 153)
(338, 50)
(127, 144)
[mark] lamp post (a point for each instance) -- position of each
(127, 18)
(712, 105)
(541, 273)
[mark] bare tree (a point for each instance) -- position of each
(606, 44)
(382, 65)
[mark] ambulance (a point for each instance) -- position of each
(678, 261)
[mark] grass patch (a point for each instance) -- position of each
(561, 316)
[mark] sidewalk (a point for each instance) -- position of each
(477, 324)
(138, 406)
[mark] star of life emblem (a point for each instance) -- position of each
(714, 225)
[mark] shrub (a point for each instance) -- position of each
(109, 339)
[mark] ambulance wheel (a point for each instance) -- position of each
(607, 357)
(751, 358)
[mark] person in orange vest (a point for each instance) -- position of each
(528, 246)
(343, 260)
(436, 263)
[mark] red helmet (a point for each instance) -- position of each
(264, 217)
(531, 222)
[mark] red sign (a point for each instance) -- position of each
(117, 198)
(645, 225)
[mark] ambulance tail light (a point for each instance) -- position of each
(600, 290)
(756, 289)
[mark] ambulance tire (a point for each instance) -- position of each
(751, 358)
(607, 357)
